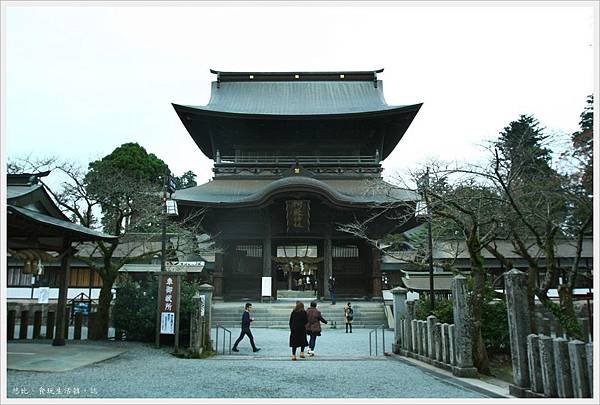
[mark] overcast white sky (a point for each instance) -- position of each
(80, 81)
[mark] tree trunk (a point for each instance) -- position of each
(100, 329)
(532, 275)
(480, 356)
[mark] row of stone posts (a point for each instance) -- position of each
(444, 345)
(543, 366)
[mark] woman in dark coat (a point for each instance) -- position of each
(313, 326)
(298, 322)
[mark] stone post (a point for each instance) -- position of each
(515, 283)
(437, 341)
(451, 346)
(410, 315)
(547, 363)
(579, 371)
(562, 367)
(415, 333)
(463, 326)
(431, 321)
(424, 340)
(589, 352)
(196, 335)
(445, 344)
(399, 295)
(207, 291)
(535, 368)
(419, 337)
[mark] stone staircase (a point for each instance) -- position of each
(277, 315)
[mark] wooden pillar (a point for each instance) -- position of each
(50, 325)
(218, 276)
(327, 263)
(267, 251)
(37, 324)
(11, 318)
(78, 326)
(24, 326)
(63, 286)
(376, 273)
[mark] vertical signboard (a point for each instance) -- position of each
(168, 299)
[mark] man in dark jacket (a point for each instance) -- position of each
(246, 319)
(331, 288)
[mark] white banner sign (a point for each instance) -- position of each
(266, 286)
(167, 323)
(43, 295)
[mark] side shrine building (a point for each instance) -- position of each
(296, 156)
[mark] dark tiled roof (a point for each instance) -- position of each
(251, 192)
(81, 232)
(297, 98)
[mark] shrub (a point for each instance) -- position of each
(134, 309)
(494, 327)
(442, 311)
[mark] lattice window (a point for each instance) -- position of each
(250, 250)
(345, 251)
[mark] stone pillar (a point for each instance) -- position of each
(376, 274)
(63, 286)
(535, 368)
(196, 327)
(218, 277)
(463, 325)
(445, 344)
(399, 295)
(431, 321)
(579, 371)
(415, 336)
(437, 341)
(452, 346)
(515, 283)
(547, 363)
(585, 329)
(207, 291)
(562, 367)
(408, 332)
(589, 352)
(424, 340)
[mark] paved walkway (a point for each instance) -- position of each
(341, 369)
(45, 357)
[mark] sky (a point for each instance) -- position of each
(82, 80)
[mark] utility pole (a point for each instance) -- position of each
(430, 241)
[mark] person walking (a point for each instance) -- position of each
(246, 319)
(348, 316)
(331, 287)
(313, 326)
(298, 320)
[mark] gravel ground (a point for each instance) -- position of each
(341, 369)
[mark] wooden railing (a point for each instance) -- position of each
(300, 159)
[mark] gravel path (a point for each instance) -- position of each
(341, 369)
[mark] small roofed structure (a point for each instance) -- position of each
(35, 225)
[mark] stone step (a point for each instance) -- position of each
(277, 315)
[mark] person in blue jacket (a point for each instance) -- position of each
(246, 319)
